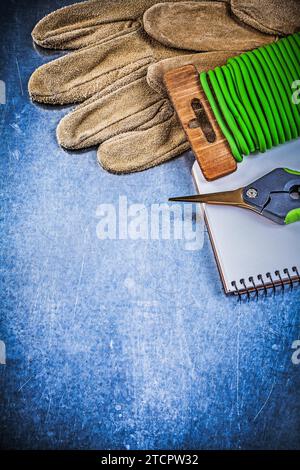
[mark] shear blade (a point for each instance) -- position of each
(231, 198)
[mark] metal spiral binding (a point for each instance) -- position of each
(276, 281)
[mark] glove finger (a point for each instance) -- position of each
(86, 23)
(101, 118)
(204, 61)
(79, 75)
(269, 16)
(213, 27)
(145, 147)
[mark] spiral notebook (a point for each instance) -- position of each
(252, 252)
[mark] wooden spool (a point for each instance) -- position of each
(209, 145)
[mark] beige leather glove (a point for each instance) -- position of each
(201, 26)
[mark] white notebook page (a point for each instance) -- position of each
(246, 244)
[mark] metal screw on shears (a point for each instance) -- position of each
(252, 193)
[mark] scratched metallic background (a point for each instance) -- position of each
(120, 344)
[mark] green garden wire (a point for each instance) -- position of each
(251, 97)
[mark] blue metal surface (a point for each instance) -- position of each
(121, 344)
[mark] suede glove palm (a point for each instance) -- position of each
(106, 74)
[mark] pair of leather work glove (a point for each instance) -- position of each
(121, 48)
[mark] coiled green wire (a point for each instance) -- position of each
(251, 97)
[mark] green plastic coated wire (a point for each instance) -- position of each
(251, 97)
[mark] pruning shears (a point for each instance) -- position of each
(275, 195)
